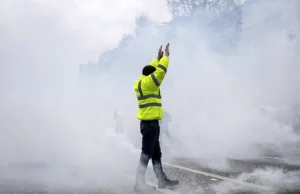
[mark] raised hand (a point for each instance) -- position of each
(160, 53)
(167, 51)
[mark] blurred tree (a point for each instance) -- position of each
(123, 53)
(106, 59)
(142, 20)
(227, 16)
(229, 27)
(193, 7)
(228, 19)
(230, 24)
(126, 40)
(142, 24)
(221, 6)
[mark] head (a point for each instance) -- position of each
(148, 69)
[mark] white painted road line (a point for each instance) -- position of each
(220, 177)
(164, 191)
(273, 158)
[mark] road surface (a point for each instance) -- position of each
(194, 179)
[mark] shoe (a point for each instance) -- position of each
(165, 183)
(143, 188)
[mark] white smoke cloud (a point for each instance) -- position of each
(49, 115)
(275, 180)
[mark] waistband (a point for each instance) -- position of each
(149, 121)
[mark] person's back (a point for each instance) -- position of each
(148, 91)
(149, 113)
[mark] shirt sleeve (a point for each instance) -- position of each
(155, 79)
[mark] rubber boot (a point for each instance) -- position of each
(163, 181)
(140, 185)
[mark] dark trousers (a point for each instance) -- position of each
(150, 131)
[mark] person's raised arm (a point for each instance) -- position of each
(160, 54)
(156, 78)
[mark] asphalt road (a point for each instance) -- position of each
(194, 179)
(235, 178)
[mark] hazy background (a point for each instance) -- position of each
(232, 83)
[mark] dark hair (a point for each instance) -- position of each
(148, 69)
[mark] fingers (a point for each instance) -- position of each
(167, 52)
(160, 48)
(167, 47)
(161, 53)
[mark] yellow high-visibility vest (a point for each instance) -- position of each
(148, 92)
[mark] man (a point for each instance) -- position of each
(149, 113)
(119, 122)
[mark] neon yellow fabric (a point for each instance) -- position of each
(148, 92)
(154, 62)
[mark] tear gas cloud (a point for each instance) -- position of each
(47, 117)
(217, 94)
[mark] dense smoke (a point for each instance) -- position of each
(227, 98)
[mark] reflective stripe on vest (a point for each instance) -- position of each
(154, 78)
(142, 97)
(149, 104)
(163, 68)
